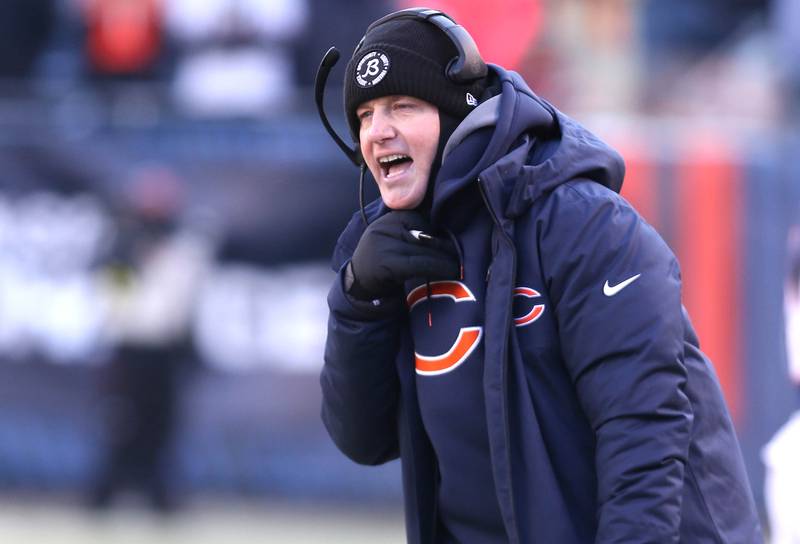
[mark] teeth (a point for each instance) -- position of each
(390, 158)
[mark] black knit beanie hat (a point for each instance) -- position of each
(407, 56)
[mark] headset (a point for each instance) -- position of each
(467, 66)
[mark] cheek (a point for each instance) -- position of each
(372, 165)
(427, 144)
(427, 153)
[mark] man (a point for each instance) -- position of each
(508, 325)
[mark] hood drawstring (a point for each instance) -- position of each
(460, 275)
(362, 171)
(430, 296)
(460, 254)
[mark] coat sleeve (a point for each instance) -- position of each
(622, 341)
(360, 386)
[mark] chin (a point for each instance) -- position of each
(400, 206)
(398, 199)
(402, 203)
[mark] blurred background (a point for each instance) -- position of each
(169, 201)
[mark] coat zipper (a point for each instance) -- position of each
(506, 327)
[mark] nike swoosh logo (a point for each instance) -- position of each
(610, 291)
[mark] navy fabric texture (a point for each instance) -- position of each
(605, 421)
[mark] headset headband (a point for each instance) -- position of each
(468, 66)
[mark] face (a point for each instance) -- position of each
(399, 136)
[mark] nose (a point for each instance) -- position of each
(381, 127)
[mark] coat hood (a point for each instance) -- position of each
(533, 147)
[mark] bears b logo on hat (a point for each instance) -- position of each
(372, 68)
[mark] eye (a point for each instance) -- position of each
(363, 114)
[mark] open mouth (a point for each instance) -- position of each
(393, 165)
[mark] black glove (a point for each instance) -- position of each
(395, 248)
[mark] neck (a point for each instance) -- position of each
(447, 125)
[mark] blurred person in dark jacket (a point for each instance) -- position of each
(25, 27)
(509, 326)
(150, 288)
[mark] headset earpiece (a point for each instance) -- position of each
(469, 65)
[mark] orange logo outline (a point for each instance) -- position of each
(468, 337)
(535, 313)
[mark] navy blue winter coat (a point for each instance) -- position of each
(606, 422)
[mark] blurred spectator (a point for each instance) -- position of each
(333, 23)
(786, 19)
(792, 306)
(236, 57)
(680, 33)
(585, 55)
(781, 454)
(151, 289)
(25, 27)
(504, 29)
(123, 37)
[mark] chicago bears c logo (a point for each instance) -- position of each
(534, 313)
(468, 337)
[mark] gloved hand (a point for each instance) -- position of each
(397, 247)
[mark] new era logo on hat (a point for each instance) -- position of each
(372, 68)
